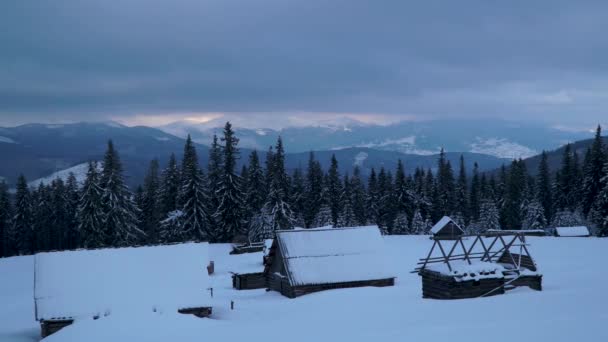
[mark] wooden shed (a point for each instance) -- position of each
(446, 228)
(303, 261)
(96, 283)
(477, 266)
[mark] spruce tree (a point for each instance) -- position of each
(372, 206)
(419, 225)
(72, 196)
(358, 196)
(401, 224)
(535, 216)
(445, 186)
(323, 217)
(150, 204)
(514, 196)
(214, 178)
(169, 188)
(43, 223)
(255, 193)
(119, 211)
(193, 199)
(334, 188)
(462, 196)
(543, 184)
(297, 197)
(229, 215)
(387, 208)
(90, 211)
(276, 212)
(402, 193)
(22, 235)
(600, 206)
(564, 183)
(6, 213)
(593, 172)
(347, 215)
(489, 217)
(314, 188)
(60, 219)
(474, 195)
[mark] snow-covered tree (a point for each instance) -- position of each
(169, 188)
(42, 219)
(600, 206)
(313, 190)
(229, 215)
(535, 216)
(6, 212)
(401, 224)
(119, 211)
(334, 188)
(567, 218)
(72, 197)
(22, 235)
(193, 197)
(150, 204)
(419, 225)
(489, 217)
(172, 228)
(347, 216)
(90, 211)
(276, 209)
(255, 188)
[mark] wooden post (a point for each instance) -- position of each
(231, 305)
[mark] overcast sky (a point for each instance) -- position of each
(152, 61)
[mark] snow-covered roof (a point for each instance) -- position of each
(442, 223)
(572, 231)
(323, 256)
(463, 271)
(88, 283)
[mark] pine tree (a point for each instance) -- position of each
(535, 216)
(402, 193)
(373, 197)
(314, 187)
(358, 196)
(401, 224)
(297, 199)
(172, 228)
(347, 215)
(193, 199)
(276, 212)
(461, 193)
(72, 196)
(119, 211)
(214, 177)
(60, 217)
(334, 188)
(229, 216)
(564, 183)
(419, 225)
(169, 188)
(567, 218)
(387, 208)
(255, 193)
(323, 217)
(515, 191)
(543, 184)
(600, 206)
(90, 211)
(489, 217)
(474, 194)
(445, 186)
(22, 235)
(43, 227)
(593, 172)
(150, 205)
(6, 213)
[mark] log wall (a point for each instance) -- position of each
(438, 286)
(249, 281)
(48, 327)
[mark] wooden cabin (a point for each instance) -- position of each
(579, 231)
(96, 283)
(303, 261)
(477, 266)
(446, 228)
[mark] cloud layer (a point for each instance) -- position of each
(88, 59)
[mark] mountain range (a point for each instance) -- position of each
(40, 151)
(498, 138)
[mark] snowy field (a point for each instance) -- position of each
(572, 307)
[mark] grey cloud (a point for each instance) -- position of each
(77, 59)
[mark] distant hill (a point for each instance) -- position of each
(554, 157)
(43, 151)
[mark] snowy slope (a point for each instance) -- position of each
(572, 306)
(79, 171)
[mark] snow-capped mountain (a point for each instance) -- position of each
(499, 138)
(79, 171)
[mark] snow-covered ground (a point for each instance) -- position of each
(572, 307)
